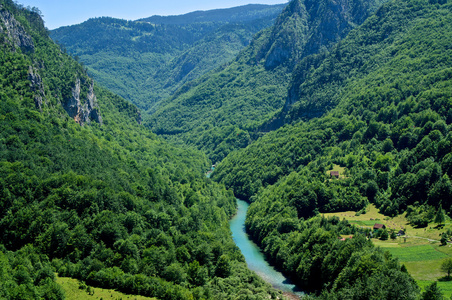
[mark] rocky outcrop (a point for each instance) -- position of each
(307, 27)
(17, 36)
(13, 36)
(139, 118)
(36, 86)
(287, 38)
(83, 113)
(302, 37)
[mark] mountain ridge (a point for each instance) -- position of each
(380, 133)
(131, 57)
(224, 110)
(228, 15)
(116, 206)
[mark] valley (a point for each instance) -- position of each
(333, 119)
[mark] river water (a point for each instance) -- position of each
(254, 257)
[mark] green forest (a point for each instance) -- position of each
(379, 105)
(147, 60)
(328, 118)
(111, 204)
(224, 110)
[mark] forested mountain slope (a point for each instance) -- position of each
(87, 192)
(389, 88)
(389, 84)
(147, 60)
(317, 82)
(221, 111)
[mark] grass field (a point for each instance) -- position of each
(72, 291)
(416, 253)
(386, 244)
(367, 223)
(420, 250)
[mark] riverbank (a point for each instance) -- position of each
(254, 257)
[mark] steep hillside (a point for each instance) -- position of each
(221, 111)
(388, 131)
(89, 193)
(317, 81)
(147, 60)
(373, 75)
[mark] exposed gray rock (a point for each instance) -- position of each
(82, 114)
(288, 37)
(36, 86)
(91, 107)
(139, 118)
(17, 36)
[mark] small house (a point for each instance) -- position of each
(400, 233)
(334, 174)
(379, 226)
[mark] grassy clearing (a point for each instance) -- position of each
(444, 249)
(367, 223)
(427, 270)
(416, 253)
(420, 250)
(72, 291)
(373, 216)
(386, 244)
(339, 169)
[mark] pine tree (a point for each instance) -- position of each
(440, 217)
(432, 292)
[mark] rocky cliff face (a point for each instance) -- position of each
(330, 21)
(315, 26)
(82, 109)
(82, 113)
(36, 86)
(288, 36)
(306, 27)
(17, 36)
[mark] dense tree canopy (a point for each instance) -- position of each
(109, 203)
(377, 108)
(147, 60)
(223, 110)
(390, 128)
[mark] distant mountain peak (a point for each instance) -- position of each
(223, 15)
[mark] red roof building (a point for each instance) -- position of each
(379, 226)
(334, 174)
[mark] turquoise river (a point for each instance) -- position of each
(254, 257)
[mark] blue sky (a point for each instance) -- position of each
(59, 13)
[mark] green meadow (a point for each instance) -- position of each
(73, 291)
(420, 250)
(416, 253)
